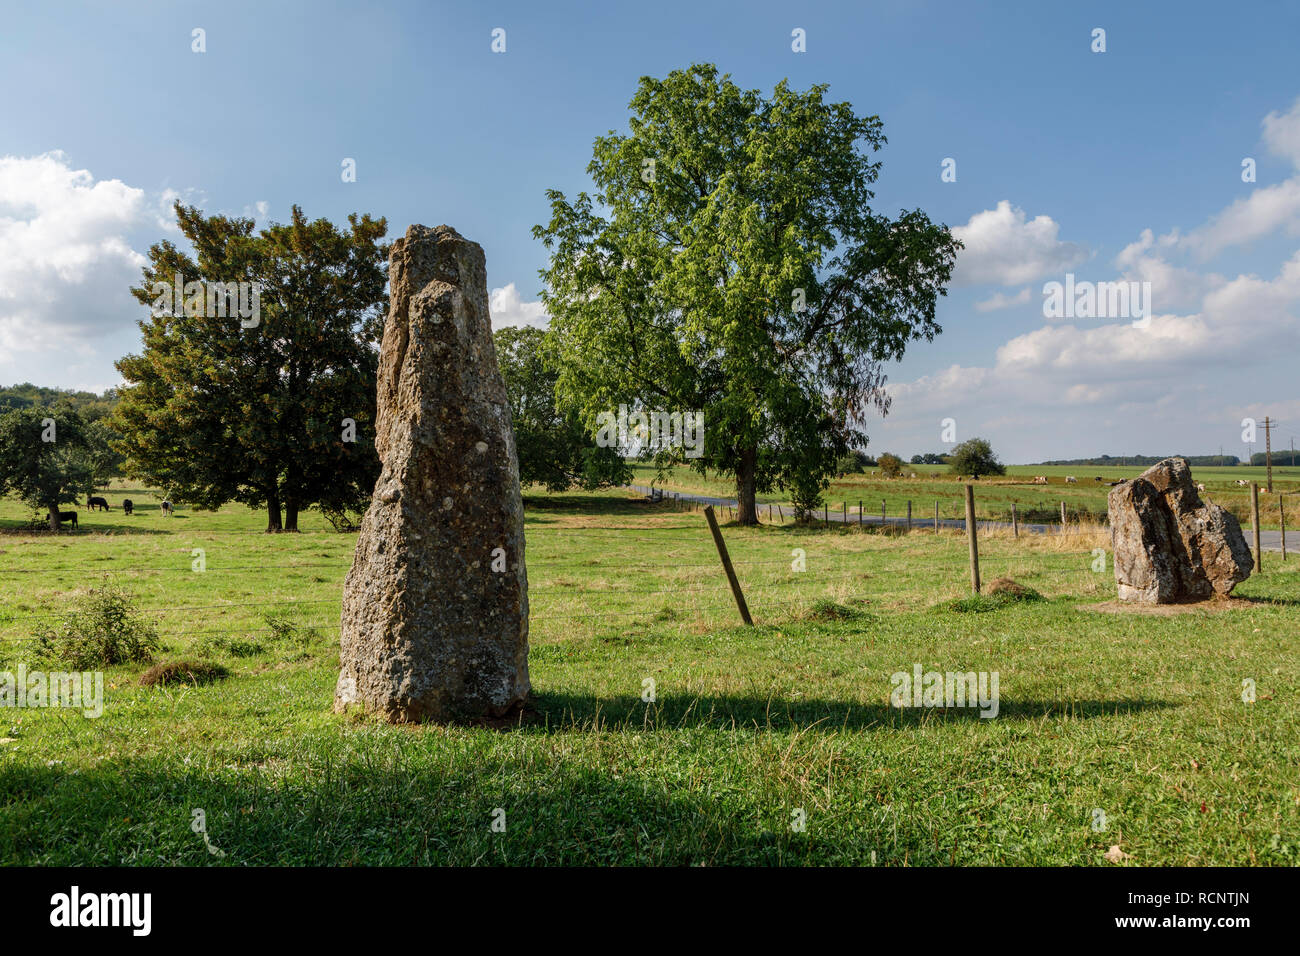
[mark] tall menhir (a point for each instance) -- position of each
(435, 608)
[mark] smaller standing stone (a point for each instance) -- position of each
(1170, 546)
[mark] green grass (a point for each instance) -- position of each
(1139, 716)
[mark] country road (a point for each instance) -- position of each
(1268, 540)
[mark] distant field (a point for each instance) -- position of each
(1138, 717)
(994, 496)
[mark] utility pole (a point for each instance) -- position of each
(1268, 454)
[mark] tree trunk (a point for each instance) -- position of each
(273, 512)
(747, 509)
(54, 517)
(290, 515)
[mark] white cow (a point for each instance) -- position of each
(1200, 486)
(1040, 479)
(1071, 480)
(1241, 481)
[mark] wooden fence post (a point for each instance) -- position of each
(1062, 517)
(882, 514)
(726, 566)
(844, 512)
(970, 536)
(859, 512)
(1015, 522)
(826, 514)
(909, 516)
(1254, 523)
(936, 515)
(1281, 513)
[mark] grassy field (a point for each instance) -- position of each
(1140, 717)
(1084, 500)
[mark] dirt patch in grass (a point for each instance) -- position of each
(1213, 606)
(183, 672)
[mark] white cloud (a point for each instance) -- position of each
(1000, 300)
(1282, 133)
(508, 309)
(65, 263)
(1264, 211)
(1003, 248)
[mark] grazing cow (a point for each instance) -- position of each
(1040, 479)
(1200, 486)
(1071, 480)
(1098, 478)
(166, 506)
(69, 516)
(127, 506)
(97, 503)
(1241, 481)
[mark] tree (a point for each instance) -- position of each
(729, 263)
(891, 466)
(554, 448)
(43, 458)
(257, 379)
(975, 457)
(851, 463)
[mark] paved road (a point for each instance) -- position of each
(1268, 540)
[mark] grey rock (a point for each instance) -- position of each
(1171, 547)
(435, 607)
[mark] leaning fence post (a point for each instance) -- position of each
(1254, 522)
(1281, 513)
(726, 565)
(970, 536)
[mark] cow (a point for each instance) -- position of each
(1071, 480)
(1098, 478)
(94, 503)
(166, 506)
(1241, 481)
(1040, 479)
(68, 516)
(127, 506)
(1200, 486)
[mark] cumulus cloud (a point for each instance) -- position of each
(1263, 212)
(1000, 300)
(508, 308)
(1282, 133)
(1002, 247)
(65, 262)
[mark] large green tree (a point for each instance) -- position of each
(729, 262)
(555, 450)
(43, 458)
(276, 409)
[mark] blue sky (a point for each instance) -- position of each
(1122, 165)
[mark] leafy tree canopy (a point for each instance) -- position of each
(730, 263)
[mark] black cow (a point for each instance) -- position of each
(100, 503)
(68, 516)
(127, 506)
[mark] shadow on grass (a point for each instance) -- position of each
(363, 808)
(85, 526)
(558, 713)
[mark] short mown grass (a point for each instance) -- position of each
(1141, 717)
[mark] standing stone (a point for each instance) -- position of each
(435, 608)
(1170, 546)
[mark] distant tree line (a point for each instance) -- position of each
(1204, 461)
(56, 445)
